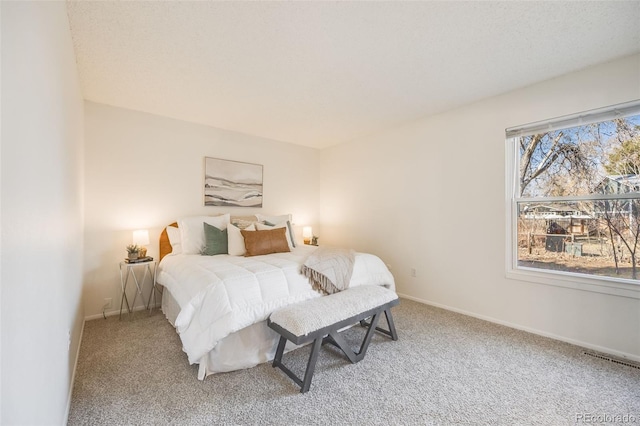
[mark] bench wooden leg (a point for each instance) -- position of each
(281, 344)
(335, 337)
(392, 328)
(311, 364)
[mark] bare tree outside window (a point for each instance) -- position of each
(579, 199)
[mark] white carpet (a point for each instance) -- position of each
(445, 368)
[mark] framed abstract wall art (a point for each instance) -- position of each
(232, 183)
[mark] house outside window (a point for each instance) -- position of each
(573, 197)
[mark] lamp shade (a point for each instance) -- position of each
(141, 237)
(307, 233)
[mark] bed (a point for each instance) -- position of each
(219, 303)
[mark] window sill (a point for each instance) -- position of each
(604, 285)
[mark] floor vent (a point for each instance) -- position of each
(609, 358)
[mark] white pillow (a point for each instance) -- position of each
(174, 239)
(235, 239)
(278, 220)
(192, 231)
(263, 227)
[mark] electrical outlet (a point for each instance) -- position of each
(108, 303)
(414, 273)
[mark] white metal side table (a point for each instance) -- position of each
(127, 270)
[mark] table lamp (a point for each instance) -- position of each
(141, 239)
(307, 233)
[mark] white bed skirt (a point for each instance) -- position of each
(245, 348)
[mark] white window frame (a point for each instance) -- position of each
(585, 282)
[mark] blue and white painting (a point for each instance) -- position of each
(232, 183)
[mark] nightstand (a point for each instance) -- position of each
(128, 270)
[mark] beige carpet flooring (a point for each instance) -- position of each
(446, 368)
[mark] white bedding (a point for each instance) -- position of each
(219, 295)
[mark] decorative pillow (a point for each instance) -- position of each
(236, 240)
(192, 231)
(274, 219)
(267, 225)
(215, 241)
(277, 220)
(265, 242)
(174, 239)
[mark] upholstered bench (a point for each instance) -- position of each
(320, 320)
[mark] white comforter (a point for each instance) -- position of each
(221, 294)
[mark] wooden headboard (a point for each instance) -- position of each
(165, 245)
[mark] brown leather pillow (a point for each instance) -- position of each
(265, 242)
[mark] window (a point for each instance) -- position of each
(574, 200)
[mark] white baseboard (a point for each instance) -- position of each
(586, 345)
(117, 312)
(73, 376)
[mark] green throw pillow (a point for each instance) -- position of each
(215, 241)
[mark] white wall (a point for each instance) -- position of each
(430, 196)
(42, 221)
(146, 171)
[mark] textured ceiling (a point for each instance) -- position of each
(323, 73)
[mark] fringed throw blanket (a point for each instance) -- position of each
(329, 269)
